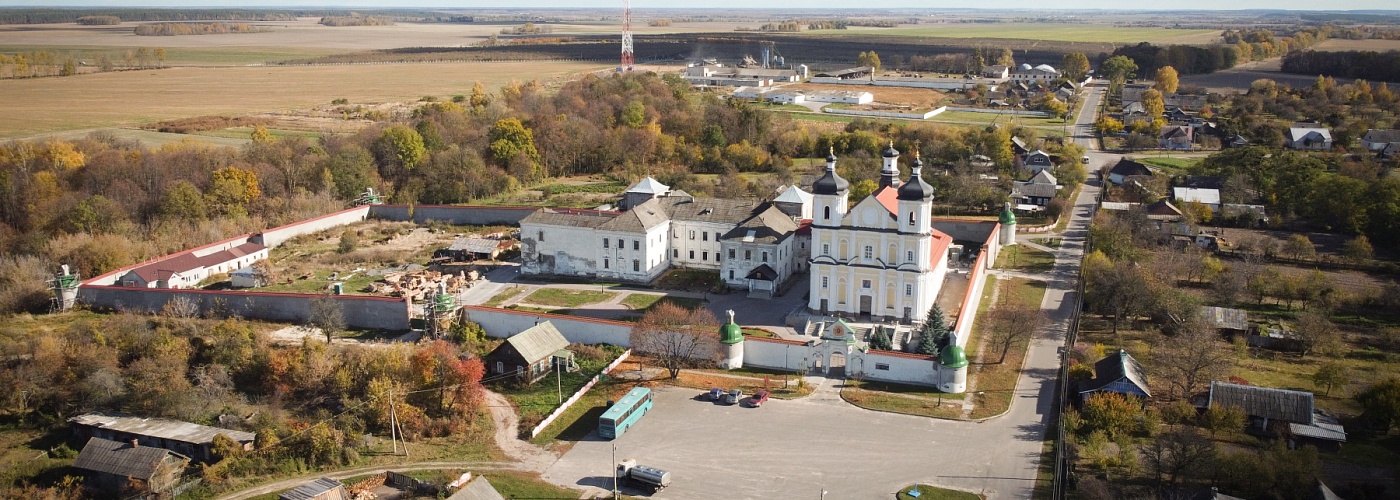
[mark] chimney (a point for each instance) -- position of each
(135, 444)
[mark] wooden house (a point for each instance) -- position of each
(1117, 372)
(530, 354)
(129, 469)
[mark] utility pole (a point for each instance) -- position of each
(614, 469)
(558, 381)
(393, 424)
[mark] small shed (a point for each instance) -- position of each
(1117, 372)
(1263, 404)
(469, 249)
(188, 439)
(1227, 321)
(247, 277)
(129, 468)
(530, 354)
(321, 489)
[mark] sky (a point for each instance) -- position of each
(732, 4)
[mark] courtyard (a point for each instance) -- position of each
(797, 448)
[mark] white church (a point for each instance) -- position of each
(881, 259)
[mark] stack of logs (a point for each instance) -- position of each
(419, 285)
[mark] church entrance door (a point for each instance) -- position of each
(866, 304)
(837, 367)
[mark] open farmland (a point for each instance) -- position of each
(38, 105)
(1338, 45)
(1049, 32)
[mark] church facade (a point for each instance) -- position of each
(882, 258)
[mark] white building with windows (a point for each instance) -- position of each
(882, 258)
(664, 229)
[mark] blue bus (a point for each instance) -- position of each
(624, 413)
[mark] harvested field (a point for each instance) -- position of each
(916, 98)
(1048, 32)
(130, 98)
(1339, 45)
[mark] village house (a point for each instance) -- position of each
(1126, 169)
(478, 488)
(1118, 373)
(1309, 137)
(1279, 411)
(996, 71)
(1207, 197)
(1037, 161)
(190, 440)
(128, 469)
(1176, 137)
(1377, 140)
(530, 354)
(1036, 192)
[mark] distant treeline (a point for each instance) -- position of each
(45, 63)
(357, 20)
(54, 16)
(99, 20)
(1363, 64)
(1240, 46)
(173, 29)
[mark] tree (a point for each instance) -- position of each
(260, 135)
(677, 337)
(1300, 247)
(399, 148)
(1223, 418)
(1118, 68)
(1119, 290)
(479, 99)
(1358, 249)
(1330, 374)
(933, 333)
(327, 315)
(1011, 325)
(511, 139)
(1380, 403)
(881, 340)
(1074, 66)
(1153, 105)
(1108, 125)
(868, 59)
(232, 190)
(1315, 332)
(1191, 359)
(1166, 80)
(862, 188)
(1179, 454)
(1111, 412)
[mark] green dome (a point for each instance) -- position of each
(952, 357)
(731, 333)
(1007, 217)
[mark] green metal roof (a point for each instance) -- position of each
(1007, 217)
(952, 357)
(731, 333)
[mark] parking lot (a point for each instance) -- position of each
(799, 448)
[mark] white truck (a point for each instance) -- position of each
(655, 478)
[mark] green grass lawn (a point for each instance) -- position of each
(995, 383)
(927, 492)
(512, 484)
(319, 283)
(505, 294)
(1173, 165)
(563, 297)
(901, 398)
(997, 118)
(582, 418)
(646, 301)
(1024, 258)
(592, 187)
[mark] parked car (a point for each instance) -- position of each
(758, 399)
(716, 393)
(1086, 158)
(733, 397)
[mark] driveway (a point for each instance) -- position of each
(798, 448)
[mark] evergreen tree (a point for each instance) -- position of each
(933, 333)
(881, 340)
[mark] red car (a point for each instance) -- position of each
(758, 399)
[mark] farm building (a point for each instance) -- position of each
(187, 269)
(841, 96)
(530, 354)
(1041, 73)
(247, 277)
(469, 249)
(848, 73)
(190, 440)
(998, 71)
(321, 489)
(127, 468)
(1117, 372)
(1227, 321)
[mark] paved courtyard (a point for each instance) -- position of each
(791, 449)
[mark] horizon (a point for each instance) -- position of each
(1028, 6)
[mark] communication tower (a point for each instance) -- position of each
(627, 55)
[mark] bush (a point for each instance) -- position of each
(349, 240)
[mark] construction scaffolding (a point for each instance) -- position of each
(65, 290)
(439, 313)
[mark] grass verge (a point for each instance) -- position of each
(501, 297)
(927, 492)
(563, 297)
(901, 398)
(1024, 258)
(535, 401)
(995, 384)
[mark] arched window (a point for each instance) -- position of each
(911, 218)
(826, 213)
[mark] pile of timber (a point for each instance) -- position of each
(418, 285)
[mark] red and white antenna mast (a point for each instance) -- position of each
(627, 56)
